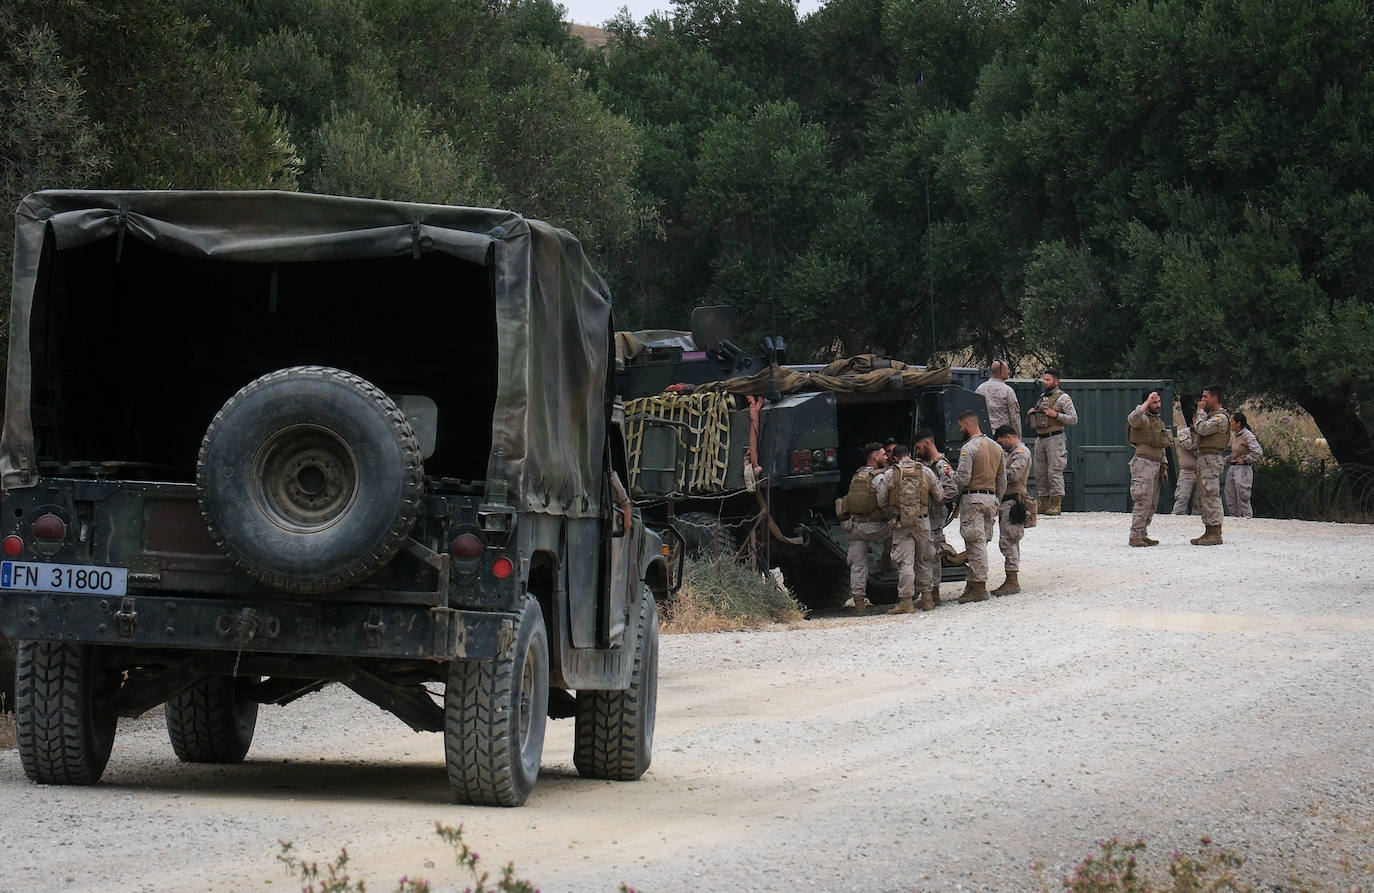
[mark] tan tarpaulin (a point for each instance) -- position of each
(865, 373)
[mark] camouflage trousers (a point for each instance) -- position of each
(911, 552)
(934, 568)
(1240, 483)
(1009, 538)
(1209, 488)
(977, 512)
(864, 532)
(1144, 495)
(1051, 457)
(1183, 491)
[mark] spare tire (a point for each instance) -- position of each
(310, 479)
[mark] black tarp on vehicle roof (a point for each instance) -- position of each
(553, 310)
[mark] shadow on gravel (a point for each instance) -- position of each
(324, 781)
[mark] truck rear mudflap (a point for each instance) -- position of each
(272, 626)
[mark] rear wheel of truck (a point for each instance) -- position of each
(213, 721)
(64, 712)
(494, 718)
(705, 535)
(310, 479)
(614, 736)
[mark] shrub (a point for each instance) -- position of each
(720, 594)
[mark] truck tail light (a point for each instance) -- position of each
(50, 527)
(832, 458)
(801, 461)
(466, 547)
(502, 568)
(13, 546)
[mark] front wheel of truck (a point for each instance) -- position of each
(494, 717)
(614, 736)
(64, 712)
(213, 721)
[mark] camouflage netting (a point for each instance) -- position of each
(553, 310)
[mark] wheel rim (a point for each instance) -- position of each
(307, 478)
(527, 682)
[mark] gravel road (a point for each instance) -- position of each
(1162, 693)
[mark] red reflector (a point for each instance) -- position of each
(467, 546)
(50, 527)
(13, 545)
(502, 568)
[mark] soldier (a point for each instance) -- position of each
(1003, 409)
(1211, 432)
(1187, 466)
(982, 475)
(912, 490)
(1145, 430)
(1240, 477)
(1011, 515)
(1051, 414)
(944, 473)
(864, 519)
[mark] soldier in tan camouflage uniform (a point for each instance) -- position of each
(1211, 432)
(864, 518)
(982, 475)
(1146, 431)
(1003, 408)
(1051, 414)
(1240, 477)
(912, 491)
(1009, 530)
(944, 474)
(1187, 470)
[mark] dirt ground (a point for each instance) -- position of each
(1161, 693)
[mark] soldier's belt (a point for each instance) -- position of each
(988, 492)
(1143, 451)
(1049, 433)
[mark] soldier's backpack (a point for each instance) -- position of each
(909, 493)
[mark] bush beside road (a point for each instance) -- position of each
(1164, 693)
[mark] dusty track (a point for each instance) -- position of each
(1164, 693)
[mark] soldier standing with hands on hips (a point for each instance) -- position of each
(1052, 413)
(1211, 433)
(1146, 431)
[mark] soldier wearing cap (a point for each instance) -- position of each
(982, 476)
(1052, 413)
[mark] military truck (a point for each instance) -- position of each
(725, 442)
(256, 443)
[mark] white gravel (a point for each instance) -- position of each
(1162, 693)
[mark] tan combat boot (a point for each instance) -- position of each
(927, 603)
(1139, 542)
(904, 606)
(935, 597)
(1010, 586)
(974, 591)
(1151, 541)
(1055, 507)
(860, 606)
(1210, 537)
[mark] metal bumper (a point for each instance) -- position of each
(259, 625)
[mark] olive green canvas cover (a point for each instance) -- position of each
(553, 310)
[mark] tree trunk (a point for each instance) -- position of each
(1351, 442)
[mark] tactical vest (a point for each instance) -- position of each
(1150, 440)
(985, 461)
(861, 502)
(909, 493)
(1043, 423)
(1217, 441)
(1017, 486)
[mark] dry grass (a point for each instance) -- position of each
(722, 595)
(6, 731)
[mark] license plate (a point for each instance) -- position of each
(40, 577)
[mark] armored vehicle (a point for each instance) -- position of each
(726, 443)
(256, 443)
